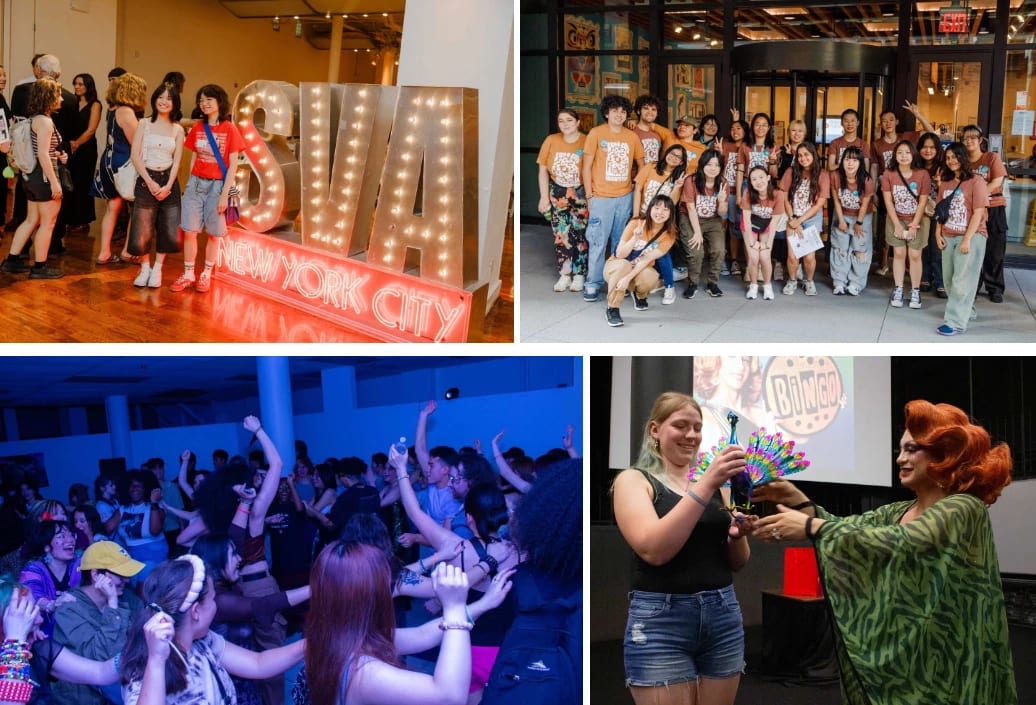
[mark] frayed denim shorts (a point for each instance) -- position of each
(677, 638)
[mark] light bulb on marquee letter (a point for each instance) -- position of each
(276, 200)
(360, 120)
(442, 131)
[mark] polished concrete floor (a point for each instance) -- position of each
(549, 317)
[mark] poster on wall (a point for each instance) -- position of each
(624, 42)
(612, 84)
(27, 467)
(587, 119)
(581, 72)
(698, 82)
(682, 76)
(643, 67)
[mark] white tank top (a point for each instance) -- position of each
(158, 149)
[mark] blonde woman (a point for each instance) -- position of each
(126, 98)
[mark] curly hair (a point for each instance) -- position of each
(216, 500)
(611, 102)
(548, 524)
(963, 459)
(43, 94)
(130, 90)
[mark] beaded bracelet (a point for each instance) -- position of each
(463, 626)
(16, 691)
(16, 683)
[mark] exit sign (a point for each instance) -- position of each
(953, 20)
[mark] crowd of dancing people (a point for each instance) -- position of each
(191, 588)
(144, 137)
(635, 206)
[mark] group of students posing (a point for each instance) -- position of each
(163, 219)
(619, 199)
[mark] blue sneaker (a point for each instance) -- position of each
(590, 295)
(948, 330)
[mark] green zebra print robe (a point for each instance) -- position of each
(918, 609)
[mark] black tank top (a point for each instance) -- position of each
(701, 564)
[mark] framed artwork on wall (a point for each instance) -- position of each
(698, 82)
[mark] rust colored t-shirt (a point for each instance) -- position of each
(730, 152)
(654, 141)
(694, 149)
(989, 166)
(564, 161)
(706, 202)
(800, 202)
(750, 155)
(851, 198)
(884, 153)
(972, 194)
(839, 144)
(651, 184)
(612, 156)
(906, 191)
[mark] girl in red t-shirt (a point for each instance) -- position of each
(208, 189)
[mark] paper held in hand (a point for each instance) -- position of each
(809, 242)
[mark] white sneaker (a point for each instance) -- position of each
(853, 290)
(838, 290)
(897, 297)
(915, 298)
(753, 291)
(768, 291)
(668, 296)
(577, 283)
(679, 273)
(154, 281)
(142, 275)
(790, 286)
(811, 288)
(563, 282)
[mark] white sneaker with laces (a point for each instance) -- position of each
(577, 283)
(897, 297)
(668, 296)
(853, 290)
(915, 298)
(789, 287)
(768, 291)
(753, 291)
(142, 275)
(563, 282)
(811, 288)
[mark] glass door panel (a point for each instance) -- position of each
(691, 91)
(948, 95)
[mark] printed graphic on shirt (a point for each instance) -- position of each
(983, 171)
(132, 525)
(652, 147)
(730, 172)
(850, 199)
(617, 164)
(705, 205)
(758, 158)
(800, 202)
(762, 211)
(958, 220)
(652, 189)
(903, 200)
(204, 150)
(887, 157)
(565, 169)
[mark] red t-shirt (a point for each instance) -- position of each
(227, 138)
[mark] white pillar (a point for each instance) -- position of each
(470, 44)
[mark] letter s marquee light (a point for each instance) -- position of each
(382, 183)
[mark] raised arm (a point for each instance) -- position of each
(436, 534)
(268, 490)
(421, 437)
(505, 469)
(181, 478)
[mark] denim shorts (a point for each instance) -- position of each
(678, 638)
(198, 207)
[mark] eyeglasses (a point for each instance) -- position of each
(970, 138)
(456, 478)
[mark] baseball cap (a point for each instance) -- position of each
(686, 120)
(110, 556)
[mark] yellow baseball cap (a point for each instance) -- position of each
(110, 556)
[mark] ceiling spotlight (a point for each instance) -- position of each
(696, 36)
(451, 393)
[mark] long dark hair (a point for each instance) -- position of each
(216, 500)
(961, 152)
(915, 158)
(89, 86)
(166, 587)
(937, 163)
(174, 95)
(768, 141)
(351, 615)
(670, 224)
(861, 174)
(212, 549)
(679, 169)
(548, 524)
(798, 173)
(486, 505)
(211, 90)
(699, 175)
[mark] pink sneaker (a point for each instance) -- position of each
(183, 282)
(204, 282)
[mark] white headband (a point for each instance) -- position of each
(197, 584)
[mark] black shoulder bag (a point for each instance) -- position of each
(942, 208)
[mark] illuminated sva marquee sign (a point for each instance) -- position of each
(385, 183)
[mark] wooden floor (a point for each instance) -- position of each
(94, 303)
